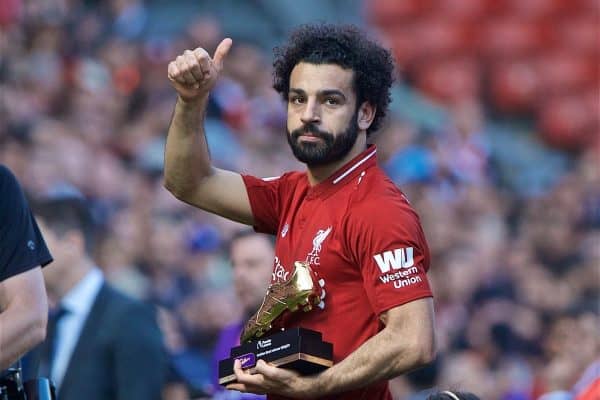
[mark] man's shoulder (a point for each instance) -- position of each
(379, 199)
(289, 178)
(379, 192)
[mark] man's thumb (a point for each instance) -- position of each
(221, 52)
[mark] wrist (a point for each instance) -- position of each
(314, 385)
(196, 101)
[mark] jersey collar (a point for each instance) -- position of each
(342, 176)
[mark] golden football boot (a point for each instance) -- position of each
(300, 291)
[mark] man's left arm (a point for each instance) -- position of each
(407, 342)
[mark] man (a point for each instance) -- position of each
(101, 344)
(23, 304)
(343, 216)
(251, 256)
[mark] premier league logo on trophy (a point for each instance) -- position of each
(300, 349)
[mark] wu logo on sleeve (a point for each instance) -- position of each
(398, 267)
(395, 259)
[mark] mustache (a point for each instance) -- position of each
(312, 130)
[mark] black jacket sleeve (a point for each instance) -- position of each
(22, 246)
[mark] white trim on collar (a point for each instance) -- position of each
(358, 164)
(271, 178)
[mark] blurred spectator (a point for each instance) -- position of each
(90, 320)
(251, 256)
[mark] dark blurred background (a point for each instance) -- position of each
(494, 136)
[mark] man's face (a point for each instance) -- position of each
(252, 261)
(322, 114)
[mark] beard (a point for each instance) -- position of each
(332, 148)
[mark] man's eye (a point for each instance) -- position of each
(331, 101)
(297, 100)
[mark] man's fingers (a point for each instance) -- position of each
(193, 66)
(221, 52)
(203, 60)
(236, 386)
(184, 77)
(174, 73)
(246, 388)
(250, 379)
(246, 378)
(237, 367)
(266, 370)
(195, 69)
(172, 70)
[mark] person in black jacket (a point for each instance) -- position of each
(101, 345)
(23, 304)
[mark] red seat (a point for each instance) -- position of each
(562, 70)
(591, 7)
(514, 86)
(568, 122)
(580, 33)
(441, 37)
(384, 13)
(509, 37)
(465, 9)
(450, 80)
(403, 44)
(414, 41)
(10, 12)
(539, 8)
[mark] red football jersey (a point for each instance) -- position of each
(360, 234)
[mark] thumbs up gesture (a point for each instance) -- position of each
(194, 73)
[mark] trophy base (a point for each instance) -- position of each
(301, 350)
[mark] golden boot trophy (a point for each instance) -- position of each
(300, 349)
(300, 291)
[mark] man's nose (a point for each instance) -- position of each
(311, 113)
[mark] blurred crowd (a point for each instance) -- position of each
(513, 223)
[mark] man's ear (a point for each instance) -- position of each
(366, 114)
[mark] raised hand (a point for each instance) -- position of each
(194, 73)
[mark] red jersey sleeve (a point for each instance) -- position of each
(264, 195)
(388, 244)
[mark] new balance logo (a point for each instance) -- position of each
(396, 259)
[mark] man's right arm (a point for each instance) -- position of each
(189, 174)
(23, 315)
(23, 301)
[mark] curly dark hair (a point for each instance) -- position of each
(346, 46)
